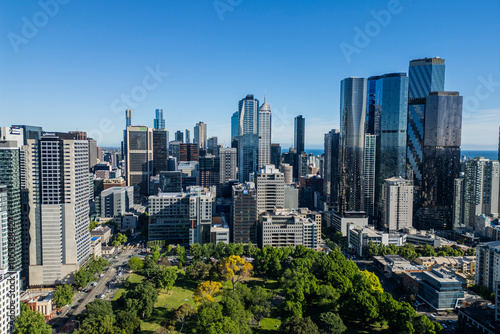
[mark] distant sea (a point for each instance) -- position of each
(492, 155)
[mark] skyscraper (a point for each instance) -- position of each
(213, 146)
(188, 136)
(235, 124)
(299, 134)
(425, 76)
(160, 151)
(179, 136)
(58, 185)
(227, 164)
(369, 162)
(248, 141)
(387, 118)
(331, 168)
(398, 204)
(128, 122)
(270, 184)
(4, 241)
(139, 158)
(244, 213)
(441, 158)
(210, 172)
(264, 132)
(200, 135)
(189, 152)
(276, 155)
(10, 177)
(352, 140)
(481, 189)
(159, 121)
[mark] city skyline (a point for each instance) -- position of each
(88, 84)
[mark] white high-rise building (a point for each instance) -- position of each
(488, 264)
(200, 135)
(270, 184)
(481, 189)
(228, 161)
(398, 204)
(4, 246)
(57, 181)
(264, 131)
(9, 300)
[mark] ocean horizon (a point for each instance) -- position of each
(492, 155)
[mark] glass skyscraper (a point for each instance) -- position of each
(10, 177)
(425, 76)
(441, 158)
(387, 118)
(352, 141)
(299, 134)
(331, 168)
(248, 137)
(159, 121)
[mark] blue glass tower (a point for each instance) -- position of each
(159, 121)
(387, 117)
(248, 138)
(426, 75)
(235, 123)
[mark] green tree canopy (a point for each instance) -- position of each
(297, 325)
(63, 295)
(31, 322)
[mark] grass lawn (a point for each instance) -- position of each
(182, 290)
(269, 325)
(132, 278)
(357, 328)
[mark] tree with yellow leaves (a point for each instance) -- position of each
(207, 291)
(234, 268)
(374, 281)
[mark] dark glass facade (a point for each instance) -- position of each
(441, 155)
(276, 155)
(387, 118)
(160, 151)
(353, 99)
(300, 134)
(331, 168)
(244, 213)
(425, 76)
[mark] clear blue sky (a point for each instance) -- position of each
(72, 71)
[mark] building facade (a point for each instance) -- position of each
(57, 180)
(264, 133)
(200, 135)
(139, 159)
(117, 201)
(398, 204)
(248, 139)
(488, 264)
(244, 213)
(352, 142)
(270, 184)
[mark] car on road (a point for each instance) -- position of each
(81, 300)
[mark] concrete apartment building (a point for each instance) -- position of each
(280, 227)
(117, 201)
(57, 182)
